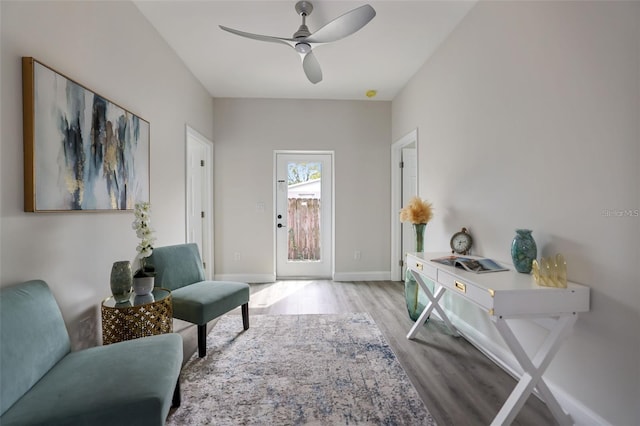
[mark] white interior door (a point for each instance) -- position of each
(404, 165)
(409, 189)
(304, 211)
(200, 196)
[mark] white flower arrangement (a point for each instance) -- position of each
(142, 226)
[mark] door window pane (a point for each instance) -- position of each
(304, 189)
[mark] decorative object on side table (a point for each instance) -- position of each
(143, 280)
(461, 242)
(121, 281)
(419, 213)
(523, 250)
(548, 273)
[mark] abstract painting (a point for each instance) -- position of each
(82, 152)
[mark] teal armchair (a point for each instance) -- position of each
(195, 299)
(43, 382)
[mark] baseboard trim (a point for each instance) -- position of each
(581, 414)
(247, 278)
(338, 276)
(363, 276)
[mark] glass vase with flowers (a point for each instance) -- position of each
(418, 212)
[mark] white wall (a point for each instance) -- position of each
(112, 49)
(246, 133)
(528, 117)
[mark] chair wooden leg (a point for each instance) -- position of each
(177, 398)
(202, 340)
(245, 316)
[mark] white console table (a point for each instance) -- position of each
(506, 295)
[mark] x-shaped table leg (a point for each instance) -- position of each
(533, 370)
(433, 304)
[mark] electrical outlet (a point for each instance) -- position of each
(357, 255)
(236, 256)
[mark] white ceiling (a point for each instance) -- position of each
(382, 56)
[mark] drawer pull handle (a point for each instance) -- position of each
(419, 266)
(461, 286)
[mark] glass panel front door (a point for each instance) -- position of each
(303, 216)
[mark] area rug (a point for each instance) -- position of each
(298, 370)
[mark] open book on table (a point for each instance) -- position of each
(478, 266)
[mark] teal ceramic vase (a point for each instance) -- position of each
(416, 298)
(121, 281)
(523, 250)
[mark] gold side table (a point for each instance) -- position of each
(140, 316)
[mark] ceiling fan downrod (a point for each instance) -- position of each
(304, 9)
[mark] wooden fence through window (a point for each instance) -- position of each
(304, 228)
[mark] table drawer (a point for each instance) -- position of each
(478, 295)
(422, 267)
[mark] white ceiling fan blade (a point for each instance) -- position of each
(312, 68)
(287, 41)
(343, 25)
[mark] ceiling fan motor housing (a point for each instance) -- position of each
(302, 32)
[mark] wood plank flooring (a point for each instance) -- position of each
(457, 383)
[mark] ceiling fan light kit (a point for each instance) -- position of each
(303, 41)
(303, 48)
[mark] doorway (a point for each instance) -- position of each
(199, 226)
(303, 194)
(404, 185)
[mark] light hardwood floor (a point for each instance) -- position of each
(457, 383)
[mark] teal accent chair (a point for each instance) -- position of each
(43, 382)
(196, 300)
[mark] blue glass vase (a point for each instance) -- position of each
(523, 250)
(415, 297)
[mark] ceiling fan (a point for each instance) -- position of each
(303, 41)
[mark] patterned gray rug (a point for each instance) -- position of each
(297, 370)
